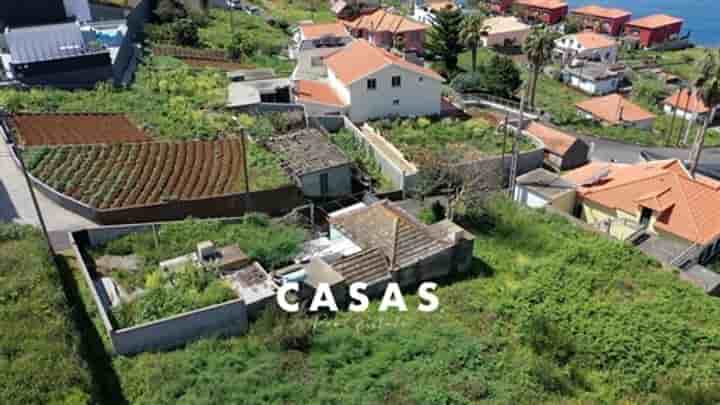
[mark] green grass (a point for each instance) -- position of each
(680, 63)
(294, 11)
(422, 140)
(551, 314)
(219, 32)
(363, 159)
(40, 352)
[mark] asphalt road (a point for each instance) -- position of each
(16, 204)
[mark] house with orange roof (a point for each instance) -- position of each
(541, 11)
(367, 82)
(313, 36)
(684, 104)
(563, 151)
(504, 31)
(587, 46)
(424, 10)
(654, 29)
(603, 20)
(615, 109)
(386, 29)
(658, 198)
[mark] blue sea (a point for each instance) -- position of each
(702, 17)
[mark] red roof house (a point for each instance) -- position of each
(654, 29)
(383, 28)
(542, 11)
(603, 20)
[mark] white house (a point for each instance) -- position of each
(368, 82)
(686, 106)
(312, 36)
(593, 78)
(588, 46)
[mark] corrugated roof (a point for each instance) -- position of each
(684, 100)
(614, 109)
(685, 206)
(655, 21)
(360, 59)
(46, 42)
(35, 129)
(602, 12)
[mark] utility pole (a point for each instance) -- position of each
(502, 155)
(36, 205)
(515, 146)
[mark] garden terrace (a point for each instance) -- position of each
(199, 58)
(35, 129)
(141, 174)
(422, 140)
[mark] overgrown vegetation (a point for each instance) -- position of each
(40, 354)
(421, 139)
(362, 158)
(551, 314)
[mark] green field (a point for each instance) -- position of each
(550, 314)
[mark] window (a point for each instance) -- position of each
(396, 102)
(645, 215)
(371, 84)
(396, 81)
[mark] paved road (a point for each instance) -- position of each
(604, 149)
(16, 203)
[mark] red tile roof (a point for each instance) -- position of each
(655, 21)
(683, 99)
(684, 206)
(602, 12)
(591, 40)
(314, 31)
(614, 109)
(383, 20)
(35, 129)
(547, 4)
(360, 59)
(311, 91)
(555, 141)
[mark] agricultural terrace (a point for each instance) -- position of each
(41, 360)
(165, 294)
(74, 129)
(551, 314)
(422, 140)
(136, 174)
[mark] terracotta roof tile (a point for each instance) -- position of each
(555, 141)
(655, 21)
(591, 40)
(684, 100)
(602, 12)
(360, 59)
(313, 31)
(383, 20)
(311, 91)
(547, 4)
(684, 206)
(34, 129)
(614, 109)
(365, 266)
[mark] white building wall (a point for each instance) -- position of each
(417, 95)
(340, 89)
(686, 115)
(569, 46)
(600, 87)
(78, 8)
(527, 197)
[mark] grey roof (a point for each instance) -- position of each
(242, 94)
(595, 70)
(46, 42)
(545, 183)
(307, 151)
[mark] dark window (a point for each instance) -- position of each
(371, 84)
(396, 81)
(324, 187)
(645, 216)
(396, 102)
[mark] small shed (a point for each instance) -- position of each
(540, 188)
(562, 150)
(318, 166)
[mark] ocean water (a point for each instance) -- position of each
(702, 17)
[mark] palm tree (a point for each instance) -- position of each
(707, 88)
(538, 48)
(473, 28)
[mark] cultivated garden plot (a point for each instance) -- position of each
(137, 174)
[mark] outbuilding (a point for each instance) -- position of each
(542, 188)
(562, 150)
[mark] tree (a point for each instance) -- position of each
(169, 11)
(185, 32)
(498, 76)
(471, 35)
(707, 87)
(241, 46)
(444, 37)
(538, 48)
(572, 25)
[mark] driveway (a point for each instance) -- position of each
(16, 204)
(607, 150)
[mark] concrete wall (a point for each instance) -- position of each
(339, 182)
(527, 161)
(418, 95)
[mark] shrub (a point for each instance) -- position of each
(185, 32)
(169, 10)
(242, 46)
